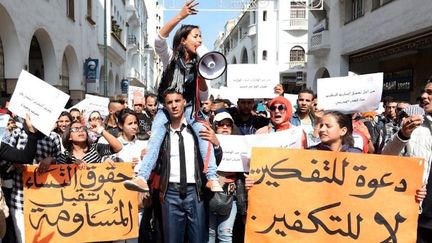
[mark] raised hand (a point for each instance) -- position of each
(29, 124)
(188, 9)
(45, 164)
(209, 135)
(410, 123)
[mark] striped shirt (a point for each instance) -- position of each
(93, 155)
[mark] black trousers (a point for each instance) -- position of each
(424, 235)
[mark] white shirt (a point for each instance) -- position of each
(189, 146)
(131, 149)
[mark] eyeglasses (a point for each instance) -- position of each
(95, 118)
(77, 129)
(279, 107)
(138, 105)
(223, 124)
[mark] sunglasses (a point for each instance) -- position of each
(119, 101)
(76, 118)
(77, 129)
(279, 107)
(222, 124)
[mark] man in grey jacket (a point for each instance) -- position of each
(415, 136)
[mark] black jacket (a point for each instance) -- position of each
(163, 165)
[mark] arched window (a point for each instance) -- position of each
(264, 55)
(244, 58)
(297, 54)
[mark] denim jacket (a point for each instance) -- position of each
(296, 121)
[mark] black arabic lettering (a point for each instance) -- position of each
(320, 223)
(62, 216)
(110, 196)
(402, 187)
(277, 172)
(90, 217)
(379, 219)
(317, 223)
(374, 185)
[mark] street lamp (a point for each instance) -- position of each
(105, 51)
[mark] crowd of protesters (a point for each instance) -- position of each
(116, 138)
(180, 124)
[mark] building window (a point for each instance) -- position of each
(297, 54)
(253, 14)
(298, 10)
(244, 58)
(378, 3)
(89, 8)
(264, 55)
(353, 10)
(264, 15)
(70, 9)
(90, 12)
(356, 9)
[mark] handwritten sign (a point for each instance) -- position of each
(97, 103)
(252, 80)
(332, 197)
(237, 149)
(131, 91)
(236, 153)
(66, 204)
(42, 101)
(353, 94)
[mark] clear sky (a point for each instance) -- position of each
(211, 19)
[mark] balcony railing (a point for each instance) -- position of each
(319, 43)
(294, 24)
(297, 64)
(132, 39)
(298, 23)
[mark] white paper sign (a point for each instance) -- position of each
(236, 153)
(4, 118)
(350, 94)
(42, 101)
(252, 80)
(131, 92)
(237, 149)
(96, 103)
(293, 99)
(291, 138)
